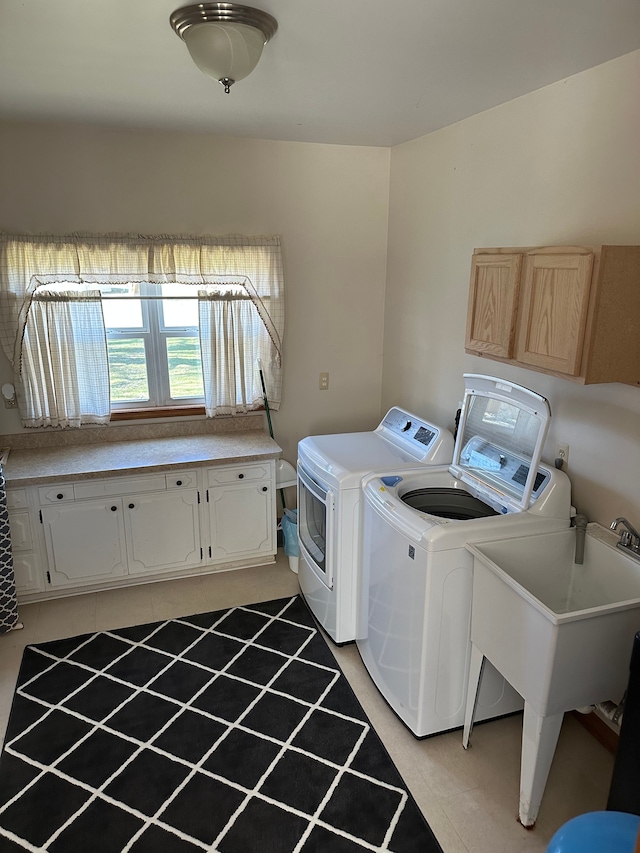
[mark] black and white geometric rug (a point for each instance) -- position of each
(232, 731)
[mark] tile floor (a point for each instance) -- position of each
(470, 798)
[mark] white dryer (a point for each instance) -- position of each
(330, 472)
(416, 592)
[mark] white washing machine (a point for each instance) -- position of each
(330, 472)
(416, 592)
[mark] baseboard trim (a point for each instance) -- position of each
(597, 727)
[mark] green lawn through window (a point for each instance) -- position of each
(128, 371)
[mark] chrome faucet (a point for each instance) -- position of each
(629, 538)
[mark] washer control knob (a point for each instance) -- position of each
(406, 426)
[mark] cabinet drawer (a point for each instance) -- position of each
(21, 534)
(120, 486)
(16, 498)
(55, 494)
(181, 479)
(232, 474)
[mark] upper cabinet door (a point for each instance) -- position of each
(553, 310)
(493, 304)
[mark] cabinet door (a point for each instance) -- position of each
(85, 541)
(242, 519)
(553, 311)
(26, 565)
(163, 531)
(493, 303)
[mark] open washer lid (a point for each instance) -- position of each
(502, 430)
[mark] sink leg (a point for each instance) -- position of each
(476, 665)
(539, 739)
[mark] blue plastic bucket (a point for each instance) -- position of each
(597, 832)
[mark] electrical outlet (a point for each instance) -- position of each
(562, 452)
(324, 381)
(9, 396)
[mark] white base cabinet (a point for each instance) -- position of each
(162, 531)
(85, 541)
(110, 532)
(241, 511)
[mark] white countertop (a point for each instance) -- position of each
(139, 456)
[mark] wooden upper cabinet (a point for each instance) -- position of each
(569, 311)
(493, 302)
(553, 310)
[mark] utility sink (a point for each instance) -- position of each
(560, 633)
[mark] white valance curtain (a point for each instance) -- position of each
(238, 280)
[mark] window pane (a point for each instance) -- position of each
(185, 367)
(180, 313)
(121, 313)
(128, 370)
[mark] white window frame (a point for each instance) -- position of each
(154, 334)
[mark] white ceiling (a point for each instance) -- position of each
(355, 72)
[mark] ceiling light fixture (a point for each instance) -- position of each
(225, 40)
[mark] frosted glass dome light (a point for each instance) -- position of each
(225, 40)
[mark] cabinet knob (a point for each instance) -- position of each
(59, 496)
(241, 476)
(114, 508)
(178, 482)
(131, 506)
(265, 489)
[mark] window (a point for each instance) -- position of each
(101, 325)
(153, 345)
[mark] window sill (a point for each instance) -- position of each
(172, 412)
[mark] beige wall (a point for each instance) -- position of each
(558, 166)
(328, 203)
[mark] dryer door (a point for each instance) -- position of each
(315, 525)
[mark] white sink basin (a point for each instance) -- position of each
(542, 569)
(560, 633)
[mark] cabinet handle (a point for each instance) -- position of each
(178, 482)
(265, 489)
(131, 506)
(60, 496)
(114, 508)
(241, 476)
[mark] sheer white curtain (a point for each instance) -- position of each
(230, 343)
(64, 366)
